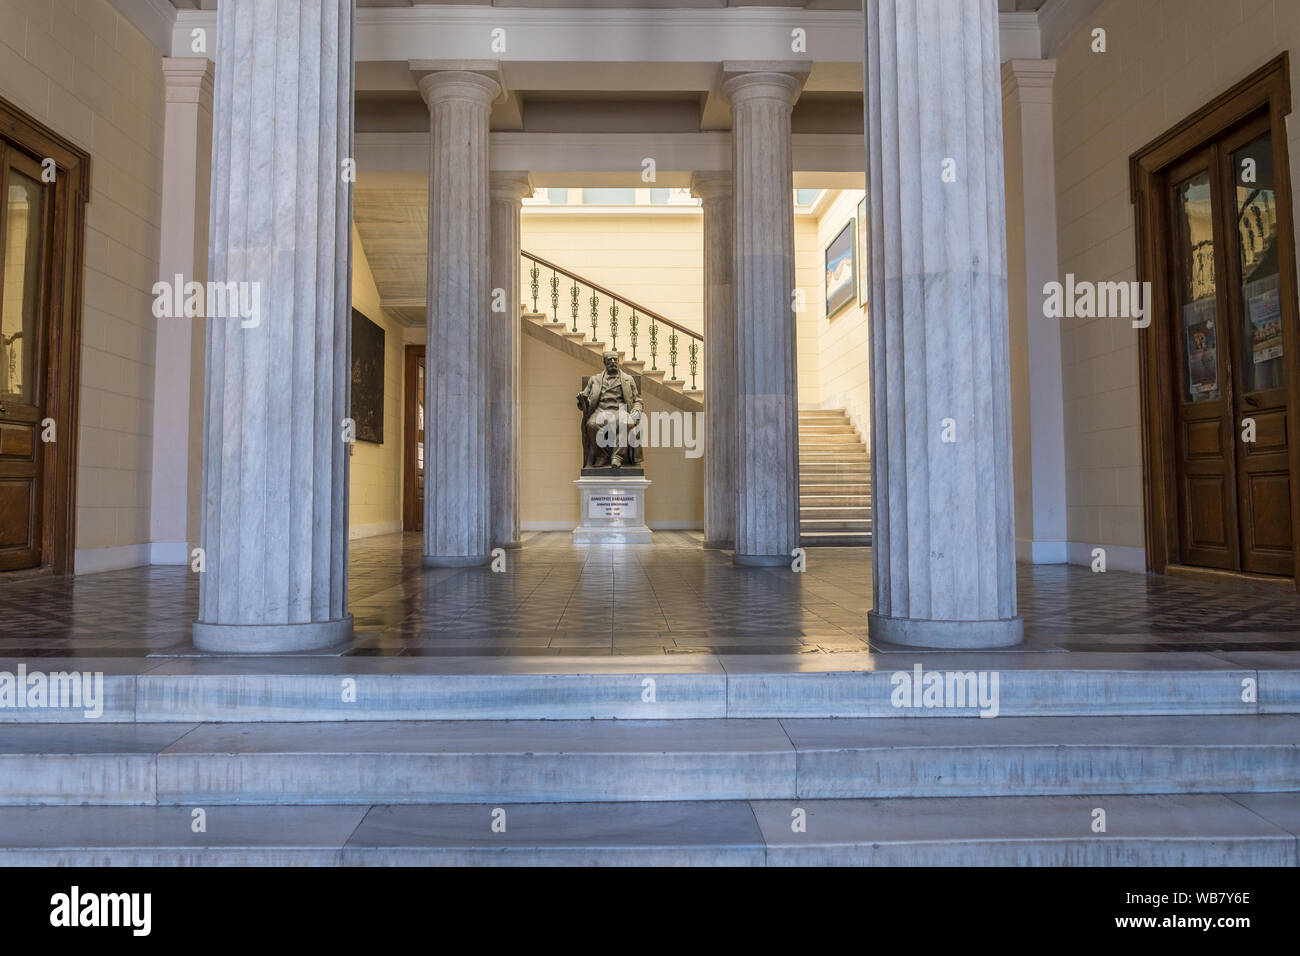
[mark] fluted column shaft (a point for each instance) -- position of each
(457, 494)
(275, 474)
(943, 550)
(506, 191)
(715, 193)
(767, 438)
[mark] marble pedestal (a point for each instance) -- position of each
(613, 510)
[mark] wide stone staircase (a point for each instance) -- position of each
(834, 481)
(704, 760)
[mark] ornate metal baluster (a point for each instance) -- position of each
(632, 333)
(672, 353)
(555, 297)
(613, 325)
(595, 314)
(535, 272)
(574, 293)
(654, 344)
(695, 360)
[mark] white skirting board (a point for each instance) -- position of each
(95, 560)
(1118, 557)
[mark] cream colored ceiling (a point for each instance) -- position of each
(394, 228)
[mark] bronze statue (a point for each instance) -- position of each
(610, 402)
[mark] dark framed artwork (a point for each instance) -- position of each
(841, 269)
(864, 254)
(367, 379)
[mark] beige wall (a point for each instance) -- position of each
(842, 347)
(552, 451)
(1163, 61)
(376, 478)
(83, 70)
(808, 277)
(653, 258)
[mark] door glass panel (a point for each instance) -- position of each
(1198, 310)
(419, 427)
(1261, 310)
(23, 212)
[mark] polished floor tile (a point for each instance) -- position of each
(669, 598)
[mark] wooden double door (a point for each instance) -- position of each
(1231, 338)
(26, 207)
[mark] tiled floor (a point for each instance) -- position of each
(670, 597)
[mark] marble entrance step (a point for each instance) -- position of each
(1142, 830)
(651, 760)
(685, 686)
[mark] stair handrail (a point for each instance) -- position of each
(694, 341)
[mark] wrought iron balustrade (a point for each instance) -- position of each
(609, 316)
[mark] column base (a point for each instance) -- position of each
(918, 632)
(454, 560)
(718, 545)
(762, 560)
(271, 638)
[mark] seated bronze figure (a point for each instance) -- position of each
(611, 405)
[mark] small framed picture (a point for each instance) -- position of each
(841, 270)
(864, 254)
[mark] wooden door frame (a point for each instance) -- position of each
(63, 355)
(410, 379)
(1267, 91)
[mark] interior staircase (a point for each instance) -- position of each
(432, 761)
(834, 481)
(580, 345)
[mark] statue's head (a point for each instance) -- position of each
(611, 362)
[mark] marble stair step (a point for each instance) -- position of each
(1141, 830)
(835, 539)
(833, 501)
(812, 525)
(601, 761)
(696, 686)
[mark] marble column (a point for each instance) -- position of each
(715, 193)
(275, 472)
(175, 497)
(507, 190)
(944, 551)
(457, 493)
(1037, 390)
(767, 426)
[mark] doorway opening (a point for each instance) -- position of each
(44, 184)
(1216, 240)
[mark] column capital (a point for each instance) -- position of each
(188, 79)
(712, 186)
(509, 186)
(479, 81)
(746, 80)
(1031, 79)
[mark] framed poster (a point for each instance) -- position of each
(841, 269)
(367, 379)
(864, 254)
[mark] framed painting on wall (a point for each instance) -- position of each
(864, 254)
(367, 379)
(841, 270)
